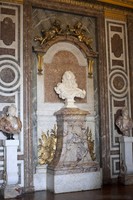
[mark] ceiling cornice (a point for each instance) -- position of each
(122, 3)
(12, 1)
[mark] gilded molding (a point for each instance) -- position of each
(123, 3)
(115, 15)
(82, 3)
(40, 63)
(90, 68)
(12, 1)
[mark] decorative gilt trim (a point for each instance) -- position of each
(91, 144)
(40, 63)
(123, 3)
(115, 14)
(12, 1)
(76, 3)
(47, 146)
(55, 31)
(90, 68)
(84, 4)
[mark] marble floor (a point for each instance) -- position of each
(115, 192)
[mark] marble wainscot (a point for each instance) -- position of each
(126, 160)
(11, 188)
(72, 168)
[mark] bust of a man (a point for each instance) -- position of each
(124, 122)
(68, 89)
(10, 124)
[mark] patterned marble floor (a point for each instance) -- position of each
(115, 192)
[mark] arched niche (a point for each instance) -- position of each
(60, 55)
(65, 46)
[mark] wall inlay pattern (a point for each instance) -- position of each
(118, 83)
(11, 73)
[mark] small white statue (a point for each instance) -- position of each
(68, 89)
(9, 123)
(124, 122)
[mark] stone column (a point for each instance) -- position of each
(11, 189)
(72, 168)
(126, 160)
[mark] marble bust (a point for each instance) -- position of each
(10, 124)
(68, 89)
(124, 122)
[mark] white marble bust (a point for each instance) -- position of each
(68, 89)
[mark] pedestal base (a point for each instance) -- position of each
(40, 178)
(62, 183)
(72, 168)
(11, 191)
(126, 179)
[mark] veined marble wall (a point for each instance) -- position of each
(58, 58)
(11, 74)
(118, 84)
(41, 117)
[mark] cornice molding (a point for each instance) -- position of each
(12, 1)
(115, 15)
(80, 3)
(86, 3)
(122, 3)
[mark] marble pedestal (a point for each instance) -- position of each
(11, 189)
(72, 168)
(126, 160)
(40, 178)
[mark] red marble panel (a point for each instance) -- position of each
(7, 31)
(119, 103)
(117, 62)
(118, 83)
(116, 28)
(7, 11)
(7, 99)
(4, 51)
(7, 75)
(116, 43)
(62, 61)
